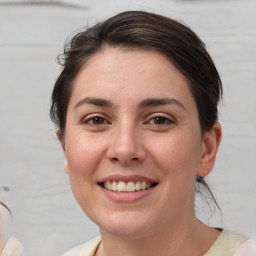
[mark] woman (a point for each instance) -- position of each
(136, 110)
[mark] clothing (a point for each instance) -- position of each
(12, 248)
(227, 244)
(86, 249)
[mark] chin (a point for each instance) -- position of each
(129, 227)
(123, 232)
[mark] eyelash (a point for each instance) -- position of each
(90, 120)
(167, 120)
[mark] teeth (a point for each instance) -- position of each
(143, 185)
(108, 185)
(121, 186)
(130, 187)
(138, 185)
(114, 186)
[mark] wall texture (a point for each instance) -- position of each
(46, 218)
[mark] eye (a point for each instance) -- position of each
(160, 120)
(95, 120)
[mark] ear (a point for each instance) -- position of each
(66, 166)
(61, 140)
(210, 145)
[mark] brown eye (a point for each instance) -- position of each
(96, 120)
(160, 120)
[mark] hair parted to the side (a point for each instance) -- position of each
(144, 31)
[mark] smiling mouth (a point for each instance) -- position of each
(121, 186)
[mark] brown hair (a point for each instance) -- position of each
(143, 30)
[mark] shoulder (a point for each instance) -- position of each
(12, 248)
(226, 244)
(86, 249)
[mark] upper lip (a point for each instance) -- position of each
(126, 178)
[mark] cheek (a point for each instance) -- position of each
(177, 159)
(178, 155)
(82, 155)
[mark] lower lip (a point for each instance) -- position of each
(127, 197)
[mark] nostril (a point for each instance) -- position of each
(116, 159)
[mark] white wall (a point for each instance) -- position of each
(46, 218)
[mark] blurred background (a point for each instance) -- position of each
(46, 218)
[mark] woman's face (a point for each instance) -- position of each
(133, 144)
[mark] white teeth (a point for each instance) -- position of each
(121, 186)
(130, 187)
(108, 185)
(114, 186)
(143, 185)
(138, 185)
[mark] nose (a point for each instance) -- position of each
(126, 146)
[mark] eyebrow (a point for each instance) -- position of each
(143, 104)
(160, 101)
(95, 101)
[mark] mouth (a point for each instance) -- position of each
(127, 187)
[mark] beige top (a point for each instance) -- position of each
(226, 244)
(12, 248)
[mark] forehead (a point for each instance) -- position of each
(129, 62)
(117, 73)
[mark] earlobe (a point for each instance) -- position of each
(66, 166)
(210, 147)
(60, 138)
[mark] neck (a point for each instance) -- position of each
(188, 240)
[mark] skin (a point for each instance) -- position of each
(129, 135)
